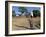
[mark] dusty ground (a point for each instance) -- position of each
(22, 23)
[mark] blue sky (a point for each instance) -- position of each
(30, 9)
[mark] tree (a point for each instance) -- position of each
(36, 13)
(22, 10)
(13, 13)
(27, 14)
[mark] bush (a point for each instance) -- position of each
(36, 13)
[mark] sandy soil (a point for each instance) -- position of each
(22, 23)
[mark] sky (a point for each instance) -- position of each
(30, 9)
